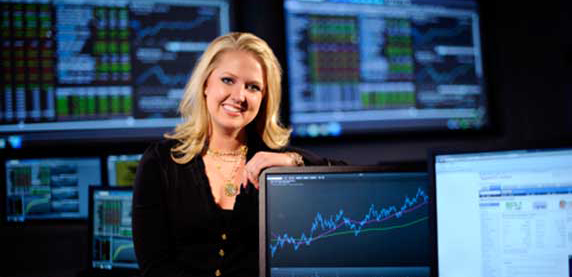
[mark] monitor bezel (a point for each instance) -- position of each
(89, 266)
(416, 167)
(432, 154)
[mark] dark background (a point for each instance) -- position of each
(528, 51)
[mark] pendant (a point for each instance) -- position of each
(230, 189)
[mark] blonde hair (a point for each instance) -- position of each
(193, 132)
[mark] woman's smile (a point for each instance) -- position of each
(233, 109)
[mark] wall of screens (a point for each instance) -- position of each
(361, 67)
(100, 66)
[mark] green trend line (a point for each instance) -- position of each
(371, 229)
(36, 202)
(119, 249)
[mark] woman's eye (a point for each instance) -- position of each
(253, 87)
(227, 80)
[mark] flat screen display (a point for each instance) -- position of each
(363, 67)
(360, 223)
(504, 213)
(110, 227)
(121, 169)
(75, 69)
(49, 188)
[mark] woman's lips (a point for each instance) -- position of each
(232, 108)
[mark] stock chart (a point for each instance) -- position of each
(342, 224)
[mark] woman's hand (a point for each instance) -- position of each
(262, 160)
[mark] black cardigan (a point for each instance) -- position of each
(179, 230)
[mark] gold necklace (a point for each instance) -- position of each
(230, 156)
(241, 151)
(230, 189)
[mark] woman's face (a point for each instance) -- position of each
(234, 91)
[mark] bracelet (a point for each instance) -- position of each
(297, 159)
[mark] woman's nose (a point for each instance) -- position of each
(239, 94)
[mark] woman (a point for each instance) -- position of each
(195, 202)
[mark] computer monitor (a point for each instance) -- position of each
(344, 221)
(121, 169)
(359, 67)
(111, 239)
(504, 212)
(49, 188)
(87, 70)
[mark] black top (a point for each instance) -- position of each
(179, 230)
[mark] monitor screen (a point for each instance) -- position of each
(353, 223)
(49, 188)
(110, 229)
(121, 169)
(75, 69)
(504, 213)
(362, 67)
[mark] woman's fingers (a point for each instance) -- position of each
(244, 178)
(251, 175)
(254, 179)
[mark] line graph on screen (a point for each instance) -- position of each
(375, 220)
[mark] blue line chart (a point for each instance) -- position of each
(420, 38)
(446, 77)
(326, 226)
(170, 25)
(162, 77)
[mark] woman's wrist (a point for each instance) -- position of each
(297, 159)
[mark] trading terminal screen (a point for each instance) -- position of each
(504, 213)
(49, 188)
(92, 67)
(122, 169)
(347, 224)
(112, 238)
(367, 66)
